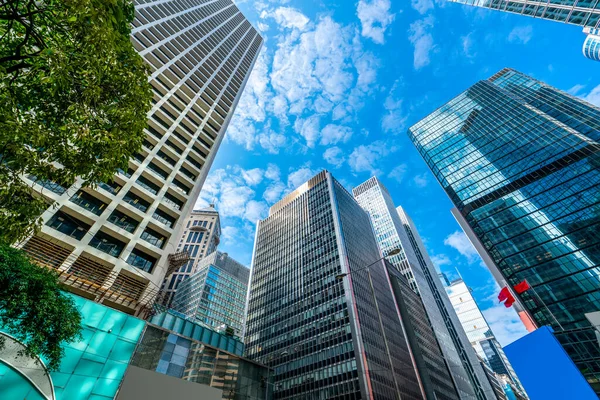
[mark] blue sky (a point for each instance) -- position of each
(337, 85)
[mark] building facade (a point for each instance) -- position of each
(591, 46)
(200, 236)
(576, 12)
(119, 235)
(215, 295)
(431, 366)
(326, 322)
(519, 159)
(479, 332)
(394, 230)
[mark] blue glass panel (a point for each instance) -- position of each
(78, 387)
(122, 351)
(132, 329)
(106, 387)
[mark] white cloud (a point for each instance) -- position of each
(521, 34)
(334, 156)
(593, 96)
(505, 324)
(460, 242)
(394, 121)
(467, 45)
(440, 259)
(274, 192)
(398, 172)
(256, 210)
(288, 17)
(576, 89)
(421, 180)
(233, 199)
(333, 134)
(309, 129)
(271, 141)
(229, 234)
(273, 173)
(374, 17)
(422, 6)
(298, 177)
(253, 176)
(364, 158)
(422, 41)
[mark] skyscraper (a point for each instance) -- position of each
(479, 332)
(321, 310)
(200, 236)
(393, 229)
(433, 371)
(576, 12)
(118, 236)
(215, 295)
(519, 159)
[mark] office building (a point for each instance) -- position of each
(479, 332)
(429, 361)
(321, 311)
(519, 159)
(591, 46)
(215, 295)
(200, 236)
(583, 13)
(494, 380)
(394, 230)
(119, 235)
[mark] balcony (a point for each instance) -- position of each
(157, 170)
(141, 260)
(163, 217)
(166, 158)
(107, 244)
(136, 201)
(111, 187)
(154, 238)
(181, 187)
(68, 225)
(173, 201)
(88, 202)
(50, 185)
(148, 185)
(123, 221)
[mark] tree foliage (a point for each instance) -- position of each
(33, 309)
(74, 98)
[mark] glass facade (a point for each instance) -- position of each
(591, 46)
(188, 351)
(327, 338)
(215, 295)
(577, 12)
(479, 332)
(394, 230)
(519, 159)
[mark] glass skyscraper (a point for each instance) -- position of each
(215, 295)
(200, 236)
(519, 159)
(479, 332)
(584, 13)
(328, 335)
(116, 238)
(394, 230)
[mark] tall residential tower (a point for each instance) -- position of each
(321, 310)
(394, 230)
(585, 13)
(520, 161)
(113, 241)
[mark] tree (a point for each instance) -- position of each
(33, 308)
(74, 97)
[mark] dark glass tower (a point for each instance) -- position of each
(519, 159)
(326, 336)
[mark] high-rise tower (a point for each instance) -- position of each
(321, 310)
(520, 161)
(393, 229)
(113, 241)
(200, 237)
(575, 12)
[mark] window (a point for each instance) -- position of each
(68, 225)
(141, 260)
(88, 202)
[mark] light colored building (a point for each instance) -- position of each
(114, 241)
(479, 332)
(575, 12)
(215, 295)
(200, 236)
(321, 311)
(394, 230)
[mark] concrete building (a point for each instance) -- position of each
(215, 295)
(200, 237)
(118, 236)
(575, 12)
(394, 230)
(520, 161)
(321, 311)
(479, 332)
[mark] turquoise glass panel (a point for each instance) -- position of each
(14, 386)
